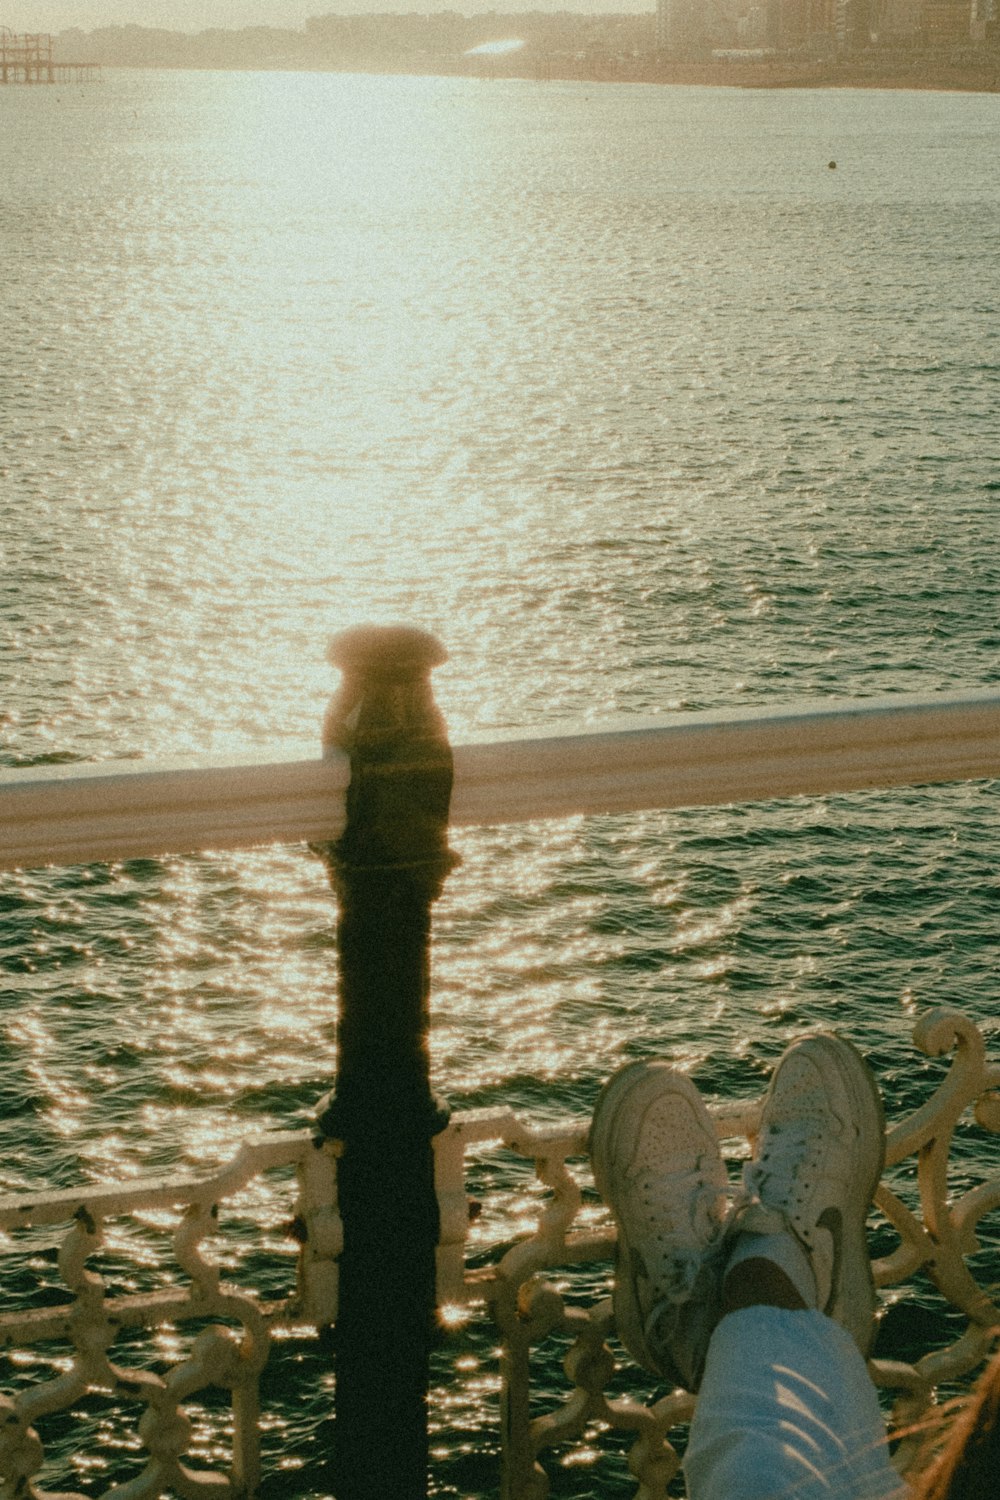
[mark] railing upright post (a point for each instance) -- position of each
(387, 869)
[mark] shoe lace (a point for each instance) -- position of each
(678, 1267)
(688, 1278)
(675, 1279)
(769, 1178)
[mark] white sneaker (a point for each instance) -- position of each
(657, 1165)
(817, 1163)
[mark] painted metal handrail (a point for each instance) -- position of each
(84, 813)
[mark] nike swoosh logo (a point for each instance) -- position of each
(832, 1220)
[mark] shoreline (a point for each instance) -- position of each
(787, 74)
(774, 73)
(922, 73)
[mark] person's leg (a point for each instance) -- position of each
(786, 1407)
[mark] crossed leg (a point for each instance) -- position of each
(765, 1306)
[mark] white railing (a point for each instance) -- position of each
(74, 814)
(77, 814)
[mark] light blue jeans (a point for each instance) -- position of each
(786, 1409)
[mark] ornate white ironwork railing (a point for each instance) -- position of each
(229, 1352)
(936, 1234)
(935, 1237)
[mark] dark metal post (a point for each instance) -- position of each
(387, 869)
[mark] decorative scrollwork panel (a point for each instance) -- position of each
(220, 1332)
(548, 1289)
(935, 1236)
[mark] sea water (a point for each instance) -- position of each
(644, 399)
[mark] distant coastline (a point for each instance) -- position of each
(559, 45)
(776, 74)
(853, 74)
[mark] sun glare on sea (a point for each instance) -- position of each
(347, 264)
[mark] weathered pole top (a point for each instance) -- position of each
(389, 652)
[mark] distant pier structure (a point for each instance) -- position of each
(26, 57)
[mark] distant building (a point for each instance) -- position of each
(899, 22)
(853, 25)
(947, 23)
(752, 28)
(696, 28)
(692, 28)
(802, 25)
(983, 21)
(678, 27)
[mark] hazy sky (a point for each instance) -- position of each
(195, 15)
(185, 15)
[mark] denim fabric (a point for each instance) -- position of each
(787, 1410)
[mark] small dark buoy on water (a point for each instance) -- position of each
(832, 165)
